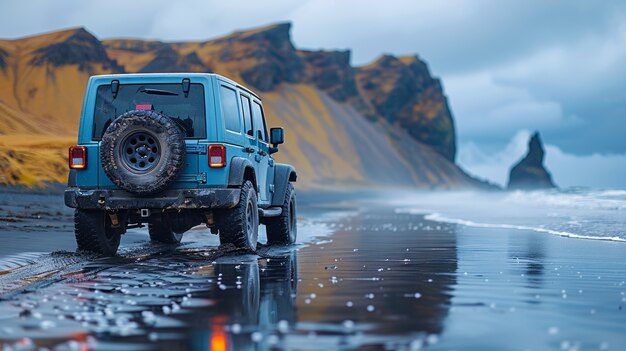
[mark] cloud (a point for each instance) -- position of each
(595, 170)
(572, 91)
(151, 19)
(488, 111)
(493, 166)
(568, 170)
(572, 70)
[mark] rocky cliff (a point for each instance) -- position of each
(530, 173)
(384, 123)
(402, 91)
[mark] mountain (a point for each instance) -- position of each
(529, 172)
(384, 123)
(402, 90)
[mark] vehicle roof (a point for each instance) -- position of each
(174, 75)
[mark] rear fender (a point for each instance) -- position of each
(283, 174)
(237, 171)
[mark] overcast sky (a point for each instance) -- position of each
(508, 67)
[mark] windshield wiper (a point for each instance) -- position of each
(157, 91)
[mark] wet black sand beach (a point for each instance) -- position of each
(364, 276)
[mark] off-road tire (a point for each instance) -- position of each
(284, 229)
(161, 230)
(94, 233)
(240, 225)
(166, 163)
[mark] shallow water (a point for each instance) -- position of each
(365, 276)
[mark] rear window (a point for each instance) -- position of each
(168, 99)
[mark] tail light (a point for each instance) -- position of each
(217, 156)
(78, 157)
(143, 107)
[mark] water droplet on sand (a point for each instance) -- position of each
(283, 326)
(256, 337)
(416, 344)
(432, 339)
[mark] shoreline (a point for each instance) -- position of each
(437, 217)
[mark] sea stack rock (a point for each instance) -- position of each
(529, 173)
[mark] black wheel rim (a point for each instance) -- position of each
(140, 152)
(250, 224)
(292, 220)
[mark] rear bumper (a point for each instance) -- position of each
(170, 199)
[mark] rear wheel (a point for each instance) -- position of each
(95, 233)
(283, 229)
(161, 230)
(240, 225)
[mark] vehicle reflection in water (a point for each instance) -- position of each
(255, 303)
(183, 299)
(383, 280)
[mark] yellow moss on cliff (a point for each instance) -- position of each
(309, 124)
(33, 160)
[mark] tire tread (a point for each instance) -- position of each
(278, 227)
(232, 222)
(89, 229)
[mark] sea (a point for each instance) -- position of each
(578, 213)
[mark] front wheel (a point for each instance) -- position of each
(240, 225)
(283, 229)
(95, 233)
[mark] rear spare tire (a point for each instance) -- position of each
(142, 152)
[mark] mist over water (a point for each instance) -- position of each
(576, 213)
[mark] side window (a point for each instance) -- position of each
(247, 116)
(259, 122)
(230, 112)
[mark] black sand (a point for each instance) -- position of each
(367, 278)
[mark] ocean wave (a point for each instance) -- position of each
(595, 200)
(611, 193)
(437, 217)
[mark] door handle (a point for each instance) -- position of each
(248, 149)
(262, 153)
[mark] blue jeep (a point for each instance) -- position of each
(174, 151)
